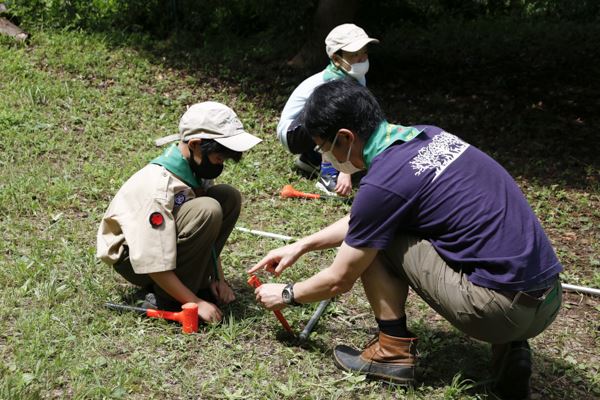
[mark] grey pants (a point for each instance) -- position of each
(482, 313)
(203, 224)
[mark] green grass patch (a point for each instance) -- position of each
(78, 115)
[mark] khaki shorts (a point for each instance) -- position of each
(485, 314)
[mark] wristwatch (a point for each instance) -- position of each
(288, 295)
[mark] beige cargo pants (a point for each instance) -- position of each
(485, 314)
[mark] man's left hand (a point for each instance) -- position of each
(269, 294)
(222, 292)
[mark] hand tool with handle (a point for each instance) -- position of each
(187, 317)
(255, 282)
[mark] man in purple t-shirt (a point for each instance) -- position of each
(433, 213)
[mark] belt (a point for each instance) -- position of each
(531, 298)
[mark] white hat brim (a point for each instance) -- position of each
(358, 44)
(241, 142)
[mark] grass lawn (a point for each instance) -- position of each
(78, 115)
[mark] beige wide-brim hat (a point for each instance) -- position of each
(212, 120)
(347, 37)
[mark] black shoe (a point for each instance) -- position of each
(150, 301)
(308, 163)
(512, 379)
(138, 297)
(158, 302)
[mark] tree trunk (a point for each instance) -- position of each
(329, 14)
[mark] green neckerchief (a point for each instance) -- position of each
(384, 136)
(174, 162)
(332, 73)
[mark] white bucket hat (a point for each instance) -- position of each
(347, 37)
(212, 120)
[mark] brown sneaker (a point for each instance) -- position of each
(385, 357)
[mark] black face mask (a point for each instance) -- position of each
(206, 169)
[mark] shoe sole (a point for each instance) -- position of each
(371, 370)
(380, 376)
(322, 188)
(148, 306)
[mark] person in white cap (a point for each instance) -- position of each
(166, 226)
(347, 48)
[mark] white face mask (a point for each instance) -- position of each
(346, 167)
(359, 70)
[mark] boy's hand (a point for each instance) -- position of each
(222, 292)
(344, 184)
(208, 312)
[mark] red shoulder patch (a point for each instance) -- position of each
(156, 219)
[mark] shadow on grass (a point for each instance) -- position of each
(524, 91)
(443, 355)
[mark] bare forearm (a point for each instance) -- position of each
(170, 283)
(339, 278)
(324, 285)
(331, 236)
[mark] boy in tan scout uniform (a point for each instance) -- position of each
(166, 226)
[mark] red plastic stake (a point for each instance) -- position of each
(255, 282)
(288, 192)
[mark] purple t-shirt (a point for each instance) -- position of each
(444, 190)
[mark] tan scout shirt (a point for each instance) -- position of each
(127, 221)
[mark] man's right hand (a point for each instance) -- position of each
(208, 312)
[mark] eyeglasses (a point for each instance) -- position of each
(320, 150)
